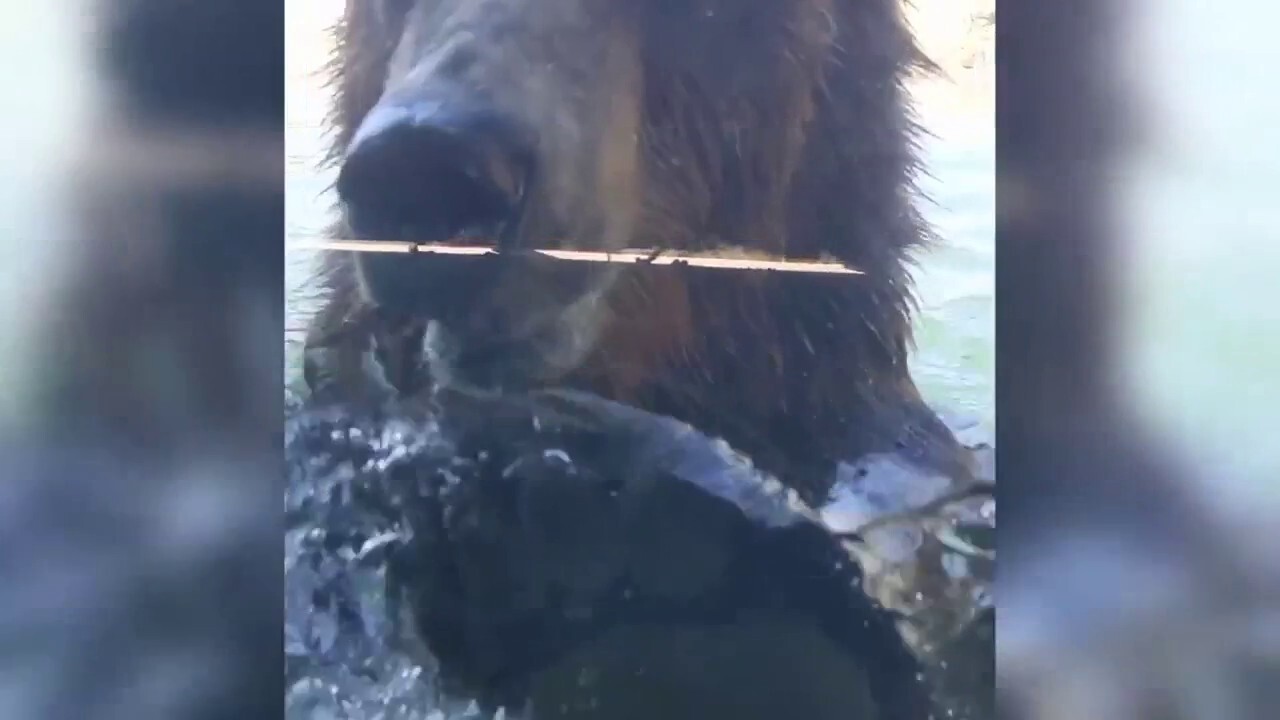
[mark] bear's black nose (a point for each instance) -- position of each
(433, 171)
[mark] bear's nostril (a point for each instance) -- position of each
(429, 175)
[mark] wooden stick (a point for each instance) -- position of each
(622, 256)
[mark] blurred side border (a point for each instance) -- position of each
(1122, 593)
(141, 513)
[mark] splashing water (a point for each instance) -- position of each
(341, 656)
(515, 537)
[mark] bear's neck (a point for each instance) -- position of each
(798, 371)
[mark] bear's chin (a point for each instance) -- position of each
(551, 348)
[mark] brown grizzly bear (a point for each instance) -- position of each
(777, 126)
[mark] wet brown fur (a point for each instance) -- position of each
(794, 138)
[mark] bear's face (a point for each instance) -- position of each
(588, 124)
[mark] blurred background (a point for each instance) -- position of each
(144, 272)
(1135, 363)
(142, 275)
(1202, 256)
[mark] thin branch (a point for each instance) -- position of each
(927, 511)
(645, 257)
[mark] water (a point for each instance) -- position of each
(955, 331)
(464, 508)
